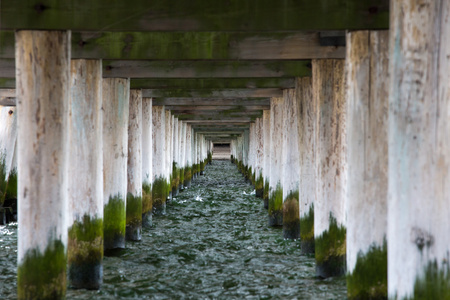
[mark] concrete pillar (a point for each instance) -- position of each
(147, 164)
(202, 156)
(42, 87)
(182, 151)
(291, 166)
(134, 170)
(419, 156)
(194, 154)
(251, 154)
(245, 150)
(276, 167)
(266, 153)
(308, 130)
(85, 180)
(240, 152)
(8, 157)
(366, 200)
(159, 186)
(329, 216)
(168, 153)
(175, 159)
(259, 140)
(188, 168)
(116, 98)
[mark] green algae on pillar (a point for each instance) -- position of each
(291, 221)
(42, 62)
(159, 195)
(147, 157)
(330, 250)
(276, 206)
(85, 253)
(116, 98)
(147, 205)
(133, 218)
(259, 186)
(307, 231)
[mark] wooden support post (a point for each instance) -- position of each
(245, 150)
(182, 151)
(366, 199)
(308, 130)
(267, 161)
(159, 186)
(291, 166)
(251, 155)
(8, 160)
(147, 157)
(134, 170)
(419, 150)
(188, 168)
(175, 159)
(85, 175)
(116, 98)
(168, 153)
(329, 221)
(42, 74)
(276, 167)
(259, 184)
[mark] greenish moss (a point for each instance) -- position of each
(291, 218)
(114, 222)
(3, 179)
(7, 83)
(159, 194)
(276, 206)
(259, 186)
(187, 173)
(330, 249)
(434, 284)
(43, 275)
(146, 198)
(266, 189)
(11, 186)
(369, 278)
(202, 166)
(307, 231)
(134, 210)
(175, 176)
(85, 244)
(181, 175)
(249, 174)
(209, 157)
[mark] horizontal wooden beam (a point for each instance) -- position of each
(217, 120)
(192, 45)
(7, 101)
(219, 127)
(194, 15)
(234, 132)
(221, 108)
(190, 69)
(215, 115)
(198, 124)
(211, 83)
(210, 93)
(211, 102)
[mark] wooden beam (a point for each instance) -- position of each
(221, 108)
(209, 101)
(7, 101)
(194, 15)
(219, 127)
(216, 120)
(197, 124)
(192, 45)
(190, 69)
(209, 93)
(217, 114)
(211, 83)
(7, 93)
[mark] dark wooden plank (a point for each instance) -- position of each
(212, 93)
(194, 15)
(211, 83)
(181, 108)
(209, 102)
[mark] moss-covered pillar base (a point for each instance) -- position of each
(42, 60)
(276, 207)
(147, 205)
(307, 231)
(159, 196)
(134, 218)
(291, 217)
(266, 194)
(259, 186)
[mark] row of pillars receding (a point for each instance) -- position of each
(355, 161)
(93, 160)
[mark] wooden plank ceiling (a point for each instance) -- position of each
(214, 64)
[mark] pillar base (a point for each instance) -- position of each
(276, 219)
(332, 267)
(159, 209)
(266, 203)
(133, 233)
(86, 276)
(147, 220)
(307, 246)
(202, 172)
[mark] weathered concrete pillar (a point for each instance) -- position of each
(259, 140)
(276, 167)
(188, 168)
(251, 154)
(245, 149)
(42, 85)
(266, 150)
(8, 157)
(85, 175)
(419, 156)
(147, 164)
(366, 200)
(194, 154)
(168, 153)
(291, 166)
(116, 98)
(159, 186)
(329, 216)
(308, 130)
(182, 151)
(175, 159)
(134, 170)
(240, 152)
(202, 146)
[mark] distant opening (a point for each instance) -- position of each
(221, 151)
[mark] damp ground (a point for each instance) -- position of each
(213, 243)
